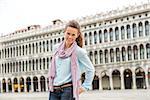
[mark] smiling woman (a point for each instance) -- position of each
(68, 62)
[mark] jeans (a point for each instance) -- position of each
(62, 94)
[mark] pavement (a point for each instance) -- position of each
(90, 95)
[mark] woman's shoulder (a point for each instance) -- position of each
(81, 51)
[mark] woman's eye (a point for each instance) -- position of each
(68, 33)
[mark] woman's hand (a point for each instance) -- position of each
(81, 90)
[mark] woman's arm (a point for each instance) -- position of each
(87, 67)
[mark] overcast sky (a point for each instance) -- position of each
(18, 14)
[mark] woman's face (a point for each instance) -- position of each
(70, 35)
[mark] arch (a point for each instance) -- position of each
(140, 78)
(9, 85)
(42, 83)
(21, 84)
(105, 81)
(3, 85)
(15, 85)
(35, 84)
(128, 79)
(28, 84)
(116, 79)
(95, 82)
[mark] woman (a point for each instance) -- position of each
(69, 61)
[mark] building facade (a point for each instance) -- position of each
(117, 43)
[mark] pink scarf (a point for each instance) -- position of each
(70, 52)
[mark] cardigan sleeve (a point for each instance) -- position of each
(86, 66)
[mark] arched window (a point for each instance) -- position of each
(117, 55)
(86, 40)
(122, 33)
(101, 56)
(43, 46)
(134, 30)
(95, 37)
(106, 56)
(33, 48)
(29, 48)
(147, 28)
(105, 36)
(100, 36)
(140, 29)
(96, 57)
(135, 52)
(111, 34)
(90, 38)
(117, 33)
(141, 51)
(36, 47)
(148, 50)
(47, 45)
(111, 55)
(129, 53)
(128, 32)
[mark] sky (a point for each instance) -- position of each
(18, 14)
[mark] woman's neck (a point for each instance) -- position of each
(67, 45)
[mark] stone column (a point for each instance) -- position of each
(25, 85)
(134, 79)
(122, 79)
(39, 85)
(46, 84)
(6, 85)
(143, 23)
(18, 85)
(111, 81)
(32, 84)
(100, 82)
(145, 51)
(1, 86)
(146, 79)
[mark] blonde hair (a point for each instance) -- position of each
(76, 25)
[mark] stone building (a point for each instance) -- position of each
(117, 42)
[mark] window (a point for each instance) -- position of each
(111, 34)
(122, 33)
(116, 33)
(134, 30)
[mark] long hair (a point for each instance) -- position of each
(76, 25)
